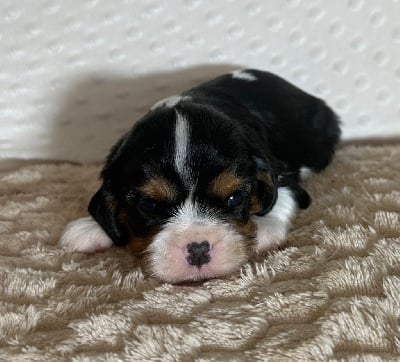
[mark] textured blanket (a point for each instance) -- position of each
(332, 293)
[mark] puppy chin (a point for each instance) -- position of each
(85, 235)
(168, 253)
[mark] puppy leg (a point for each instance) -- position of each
(85, 235)
(273, 227)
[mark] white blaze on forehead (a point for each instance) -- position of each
(170, 101)
(241, 74)
(190, 213)
(182, 138)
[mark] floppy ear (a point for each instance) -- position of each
(104, 209)
(266, 187)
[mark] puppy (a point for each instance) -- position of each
(210, 177)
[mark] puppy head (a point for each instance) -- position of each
(180, 189)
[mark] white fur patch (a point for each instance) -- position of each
(182, 136)
(305, 173)
(243, 75)
(272, 228)
(170, 101)
(85, 235)
(189, 212)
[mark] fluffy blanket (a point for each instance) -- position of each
(331, 293)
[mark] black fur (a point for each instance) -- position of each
(265, 126)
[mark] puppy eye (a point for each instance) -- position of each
(235, 199)
(148, 204)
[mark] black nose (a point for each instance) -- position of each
(198, 253)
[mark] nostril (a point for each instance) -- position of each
(198, 248)
(198, 253)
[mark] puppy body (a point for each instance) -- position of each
(209, 177)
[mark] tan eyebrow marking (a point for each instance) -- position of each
(159, 189)
(139, 244)
(225, 184)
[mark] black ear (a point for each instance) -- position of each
(266, 189)
(104, 209)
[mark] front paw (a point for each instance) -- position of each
(270, 236)
(272, 229)
(85, 235)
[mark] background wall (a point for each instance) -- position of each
(74, 75)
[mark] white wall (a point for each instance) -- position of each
(74, 75)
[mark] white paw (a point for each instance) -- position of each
(272, 229)
(85, 235)
(271, 233)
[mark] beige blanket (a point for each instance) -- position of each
(332, 293)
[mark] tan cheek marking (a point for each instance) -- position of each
(225, 184)
(255, 204)
(248, 229)
(136, 244)
(266, 178)
(159, 189)
(139, 244)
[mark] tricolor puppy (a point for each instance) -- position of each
(208, 178)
